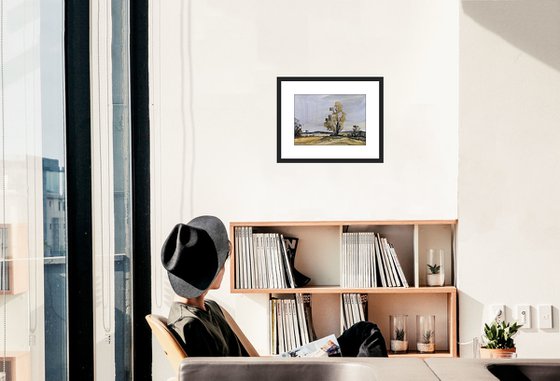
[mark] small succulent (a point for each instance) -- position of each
(399, 334)
(500, 335)
(434, 269)
(427, 336)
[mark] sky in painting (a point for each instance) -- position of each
(312, 109)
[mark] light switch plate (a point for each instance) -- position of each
(545, 316)
(524, 315)
(497, 313)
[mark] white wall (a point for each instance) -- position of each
(221, 158)
(509, 188)
(508, 193)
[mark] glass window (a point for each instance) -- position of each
(122, 187)
(33, 237)
(32, 211)
(111, 182)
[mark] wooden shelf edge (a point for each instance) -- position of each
(338, 290)
(421, 355)
(342, 223)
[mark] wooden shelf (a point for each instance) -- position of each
(343, 223)
(421, 355)
(319, 258)
(338, 290)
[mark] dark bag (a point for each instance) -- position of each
(363, 339)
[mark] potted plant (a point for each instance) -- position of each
(498, 339)
(426, 344)
(435, 275)
(399, 344)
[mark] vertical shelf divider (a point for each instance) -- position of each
(454, 255)
(451, 322)
(416, 257)
(340, 232)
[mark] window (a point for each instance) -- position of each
(33, 147)
(38, 140)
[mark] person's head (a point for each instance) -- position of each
(216, 283)
(194, 255)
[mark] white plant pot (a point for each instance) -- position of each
(435, 279)
(398, 346)
(426, 348)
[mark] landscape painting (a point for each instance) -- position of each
(330, 119)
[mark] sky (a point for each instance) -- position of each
(312, 109)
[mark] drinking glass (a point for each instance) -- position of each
(426, 333)
(435, 271)
(399, 341)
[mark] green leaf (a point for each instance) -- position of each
(500, 335)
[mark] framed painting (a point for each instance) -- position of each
(330, 119)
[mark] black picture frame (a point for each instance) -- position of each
(329, 144)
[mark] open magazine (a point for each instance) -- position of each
(325, 347)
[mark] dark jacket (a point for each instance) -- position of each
(204, 333)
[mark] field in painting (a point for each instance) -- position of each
(328, 141)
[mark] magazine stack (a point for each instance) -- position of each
(354, 308)
(261, 260)
(291, 323)
(369, 260)
(324, 347)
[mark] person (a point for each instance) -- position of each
(194, 255)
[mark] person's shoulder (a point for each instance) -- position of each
(174, 312)
(211, 303)
(181, 312)
(177, 308)
(213, 306)
(187, 322)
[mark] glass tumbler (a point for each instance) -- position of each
(426, 333)
(435, 270)
(399, 341)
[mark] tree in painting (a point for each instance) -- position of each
(334, 122)
(297, 128)
(330, 119)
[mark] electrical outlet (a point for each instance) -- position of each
(497, 313)
(545, 316)
(524, 315)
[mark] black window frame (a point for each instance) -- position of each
(141, 243)
(79, 192)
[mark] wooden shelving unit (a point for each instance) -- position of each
(318, 256)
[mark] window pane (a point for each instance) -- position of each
(33, 197)
(122, 188)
